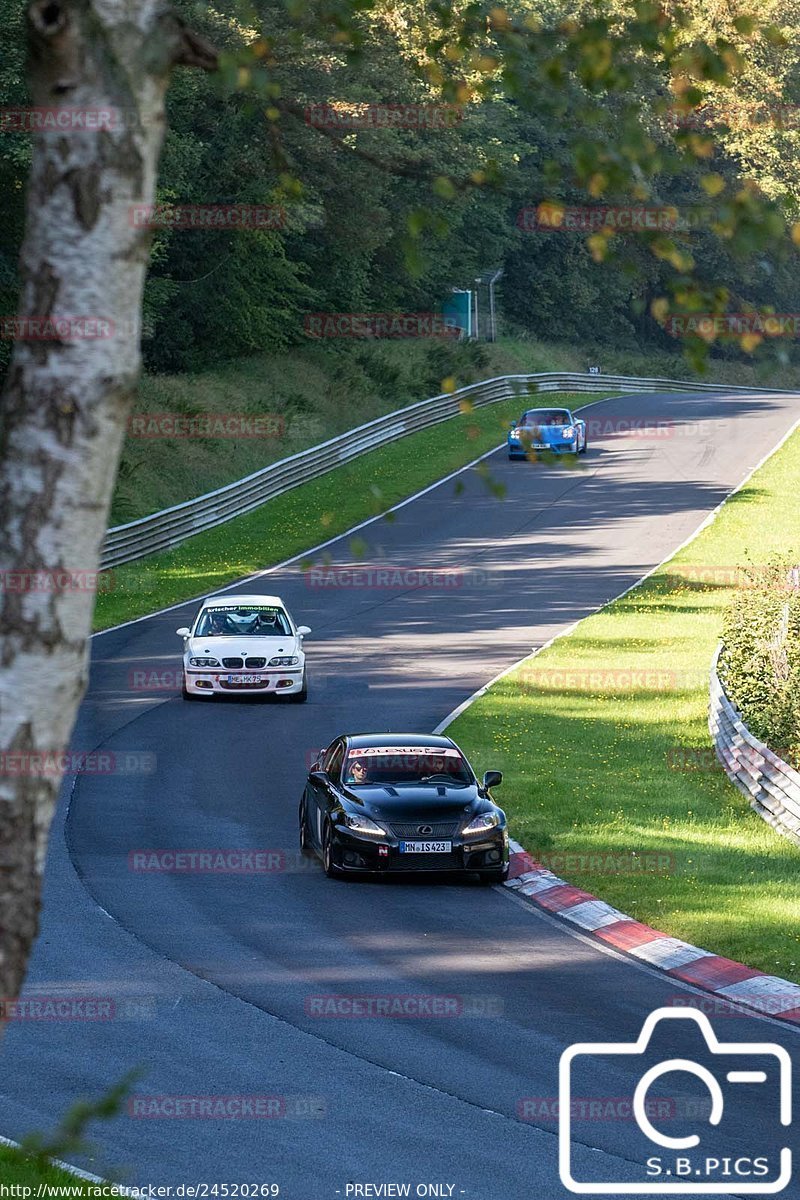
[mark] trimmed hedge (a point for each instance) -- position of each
(760, 661)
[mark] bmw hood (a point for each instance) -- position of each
(243, 647)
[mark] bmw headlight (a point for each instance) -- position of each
(288, 661)
(569, 432)
(203, 662)
(482, 823)
(515, 433)
(362, 824)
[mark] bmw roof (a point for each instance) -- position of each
(241, 598)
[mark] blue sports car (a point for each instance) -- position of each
(547, 430)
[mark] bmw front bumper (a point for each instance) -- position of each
(220, 682)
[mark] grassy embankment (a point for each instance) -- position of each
(620, 774)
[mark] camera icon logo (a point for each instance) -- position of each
(686, 1167)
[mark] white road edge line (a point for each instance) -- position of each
(348, 532)
(76, 1171)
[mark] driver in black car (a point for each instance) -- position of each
(357, 771)
(435, 765)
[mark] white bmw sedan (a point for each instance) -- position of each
(244, 644)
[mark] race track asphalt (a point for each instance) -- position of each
(213, 976)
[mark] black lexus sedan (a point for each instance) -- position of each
(379, 802)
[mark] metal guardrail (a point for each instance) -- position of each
(171, 526)
(770, 784)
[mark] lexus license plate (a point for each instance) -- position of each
(426, 847)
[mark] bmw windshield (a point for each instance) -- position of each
(243, 620)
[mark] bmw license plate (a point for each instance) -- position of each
(426, 847)
(245, 679)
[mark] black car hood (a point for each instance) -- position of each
(427, 802)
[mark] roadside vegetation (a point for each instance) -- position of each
(760, 660)
(21, 1170)
(616, 787)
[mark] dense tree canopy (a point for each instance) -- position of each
(621, 104)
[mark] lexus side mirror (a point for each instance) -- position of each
(183, 632)
(302, 630)
(492, 779)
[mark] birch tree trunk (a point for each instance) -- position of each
(64, 409)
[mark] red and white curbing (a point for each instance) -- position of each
(725, 978)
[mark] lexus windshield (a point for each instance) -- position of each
(397, 765)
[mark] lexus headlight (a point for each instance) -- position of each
(290, 661)
(362, 824)
(203, 662)
(569, 432)
(482, 824)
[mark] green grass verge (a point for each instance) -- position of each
(16, 1168)
(597, 767)
(311, 513)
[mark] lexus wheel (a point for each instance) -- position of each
(331, 870)
(495, 876)
(305, 842)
